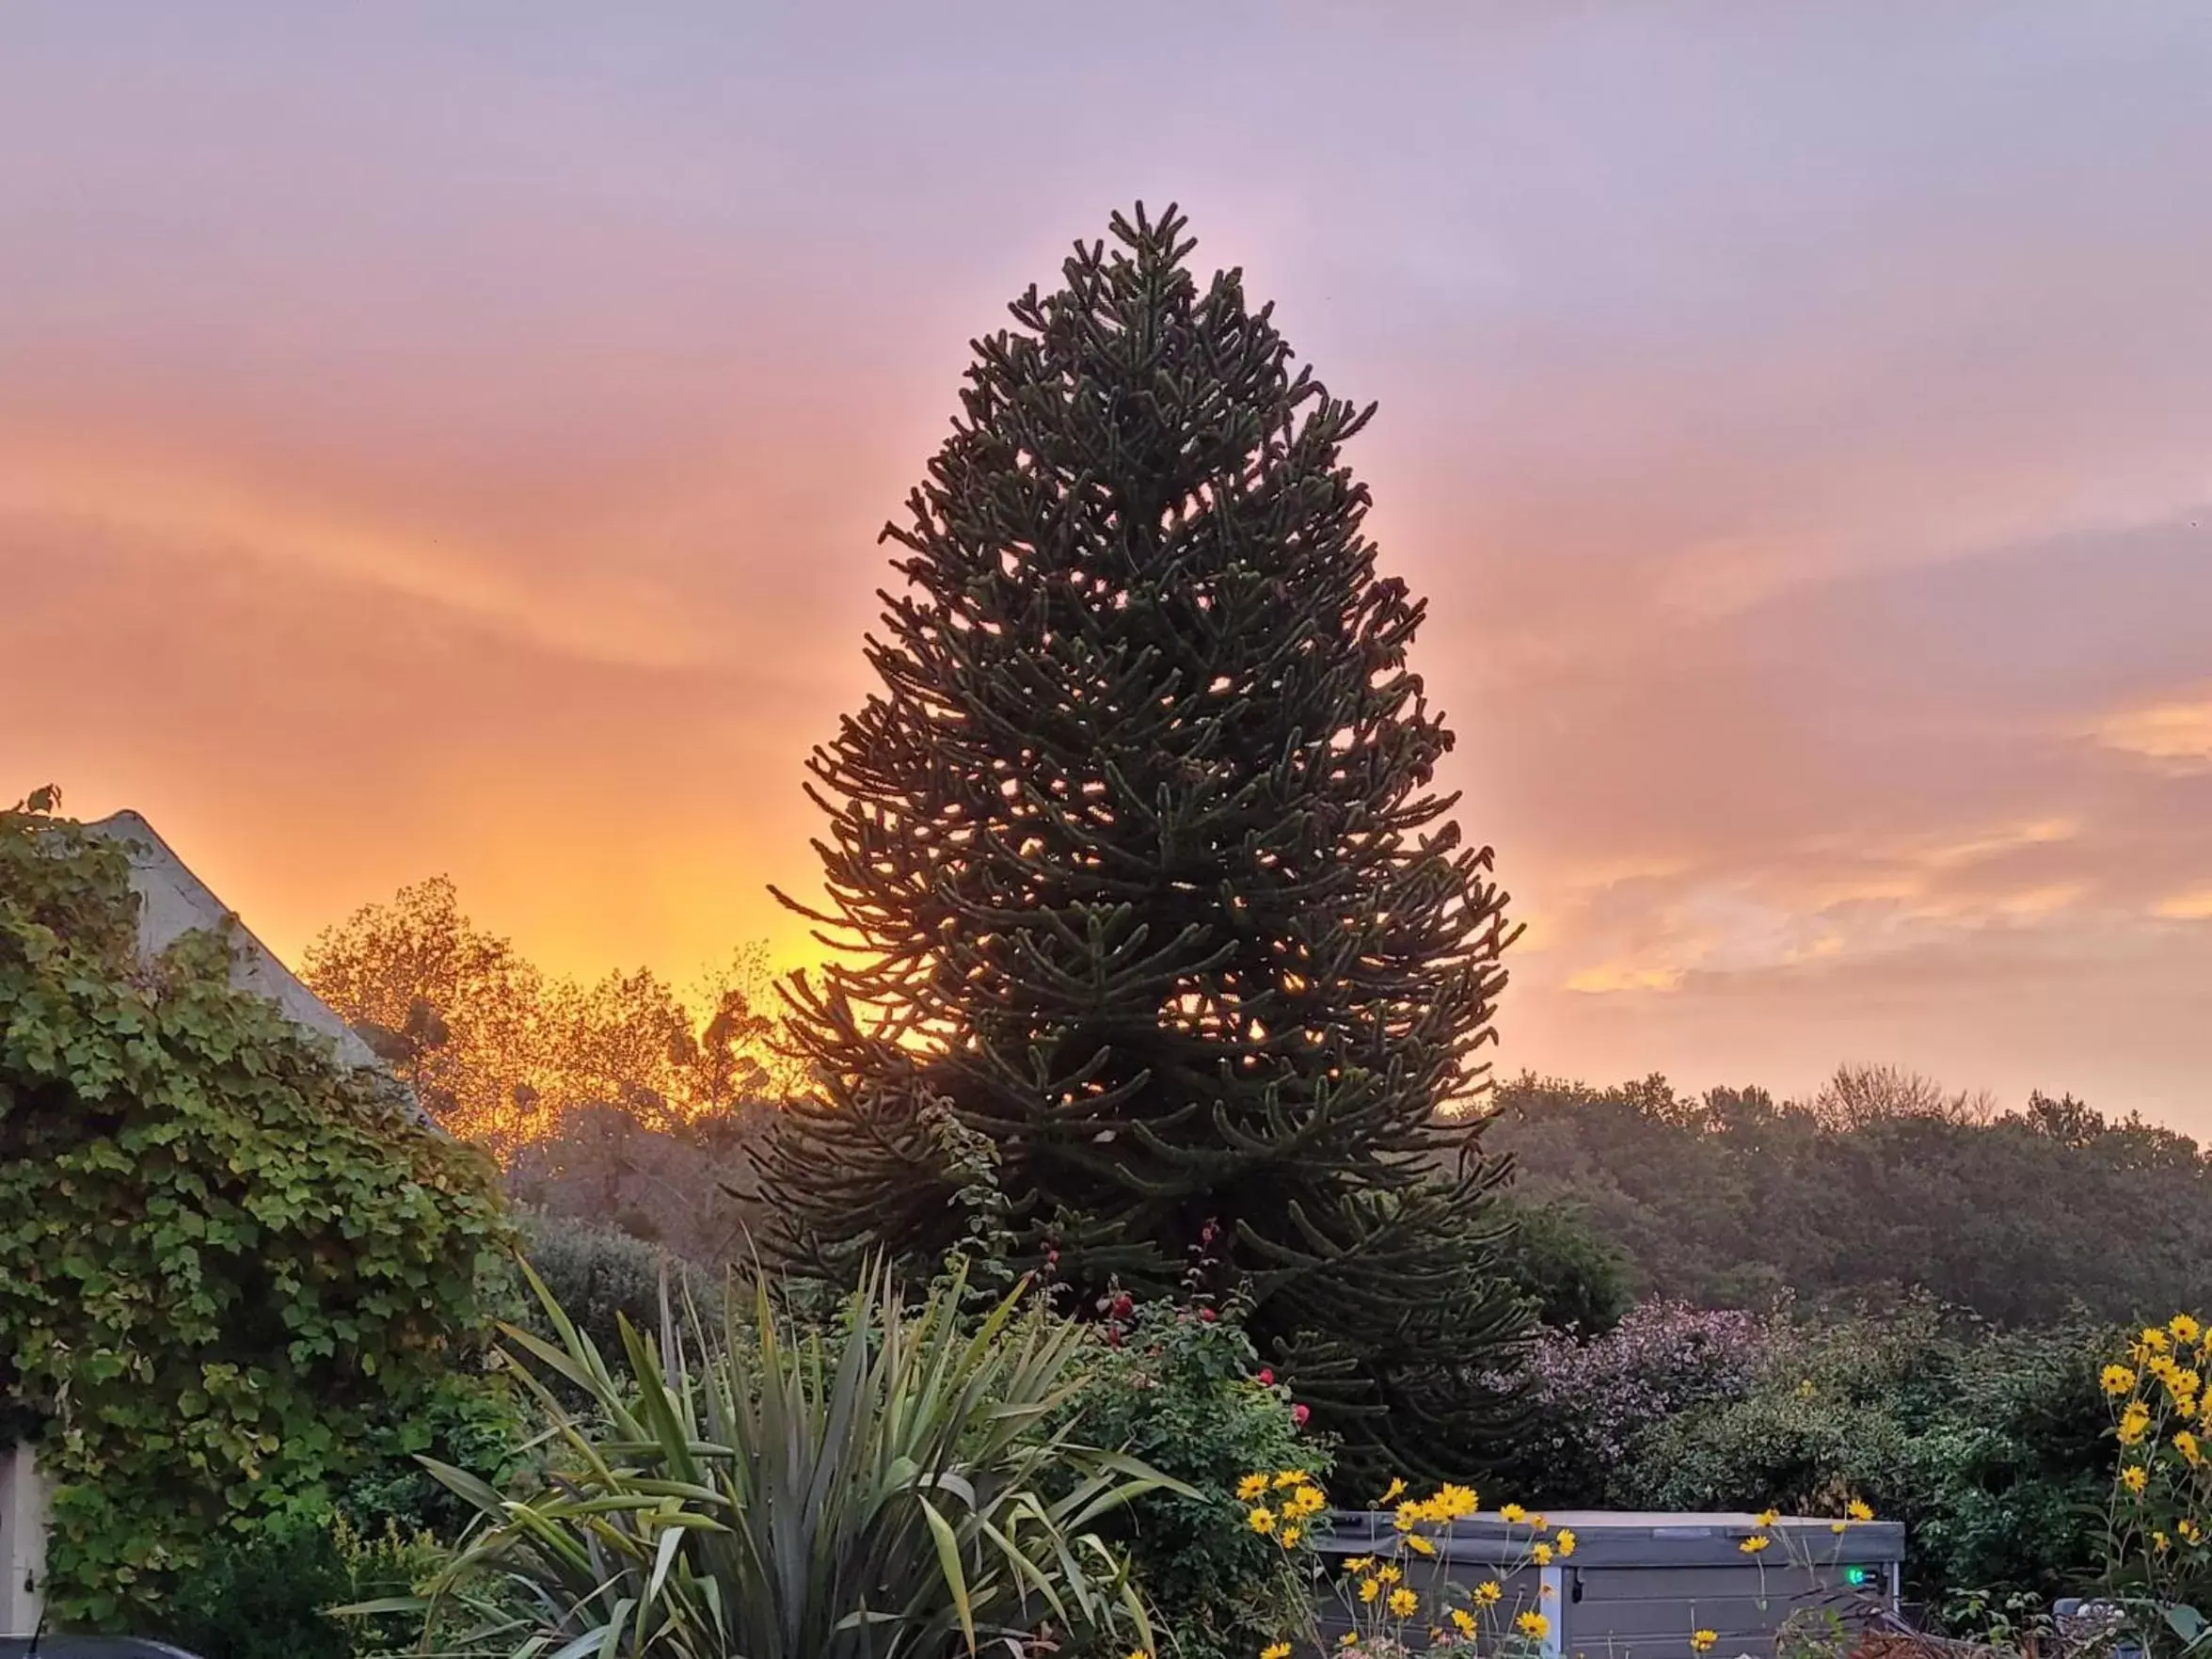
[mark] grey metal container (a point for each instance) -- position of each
(1638, 1586)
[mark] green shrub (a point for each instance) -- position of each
(224, 1258)
(265, 1595)
(894, 1483)
(1572, 1278)
(599, 1277)
(1186, 1393)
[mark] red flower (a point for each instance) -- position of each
(1266, 1378)
(1207, 1316)
(1299, 1415)
(1125, 1305)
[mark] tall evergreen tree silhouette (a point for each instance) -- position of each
(1138, 870)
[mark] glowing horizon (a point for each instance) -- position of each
(454, 442)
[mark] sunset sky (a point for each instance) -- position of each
(452, 437)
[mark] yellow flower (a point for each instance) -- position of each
(1836, 1525)
(1275, 1651)
(1565, 1541)
(1544, 1592)
(1350, 1640)
(1421, 1546)
(1537, 1523)
(1359, 1563)
(1261, 1521)
(1752, 1545)
(1369, 1589)
(1487, 1593)
(2135, 1422)
(1387, 1574)
(1766, 1518)
(1290, 1477)
(1395, 1491)
(1701, 1641)
(1289, 1538)
(2183, 1383)
(2184, 1328)
(2135, 1477)
(1252, 1487)
(1403, 1603)
(2190, 1532)
(1541, 1555)
(1140, 1654)
(2186, 1444)
(1452, 1502)
(2154, 1339)
(1463, 1621)
(2158, 1542)
(1533, 1625)
(1512, 1514)
(2116, 1379)
(1858, 1509)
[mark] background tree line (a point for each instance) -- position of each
(1881, 1182)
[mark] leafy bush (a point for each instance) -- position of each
(892, 1484)
(1592, 1400)
(600, 1277)
(1572, 1278)
(265, 1596)
(225, 1259)
(1181, 1388)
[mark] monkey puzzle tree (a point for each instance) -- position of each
(1139, 868)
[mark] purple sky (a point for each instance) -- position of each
(451, 438)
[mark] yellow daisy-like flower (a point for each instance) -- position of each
(1860, 1509)
(1287, 1478)
(1454, 1502)
(1289, 1538)
(1837, 1526)
(1252, 1487)
(1537, 1523)
(1275, 1651)
(1387, 1574)
(1533, 1625)
(2135, 1477)
(2154, 1339)
(1391, 1493)
(1513, 1514)
(1766, 1518)
(1403, 1603)
(1487, 1594)
(1261, 1521)
(1350, 1640)
(1752, 1545)
(2116, 1379)
(1421, 1546)
(2158, 1542)
(1463, 1621)
(1701, 1641)
(2186, 1444)
(1369, 1589)
(2184, 1328)
(1359, 1563)
(2190, 1532)
(1565, 1541)
(2135, 1422)
(1140, 1654)
(1541, 1555)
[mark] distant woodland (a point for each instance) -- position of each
(631, 1103)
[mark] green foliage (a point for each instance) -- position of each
(901, 1484)
(1144, 875)
(1992, 1449)
(1881, 1181)
(1188, 1395)
(263, 1595)
(224, 1261)
(1571, 1278)
(600, 1277)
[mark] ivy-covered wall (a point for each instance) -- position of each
(228, 1266)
